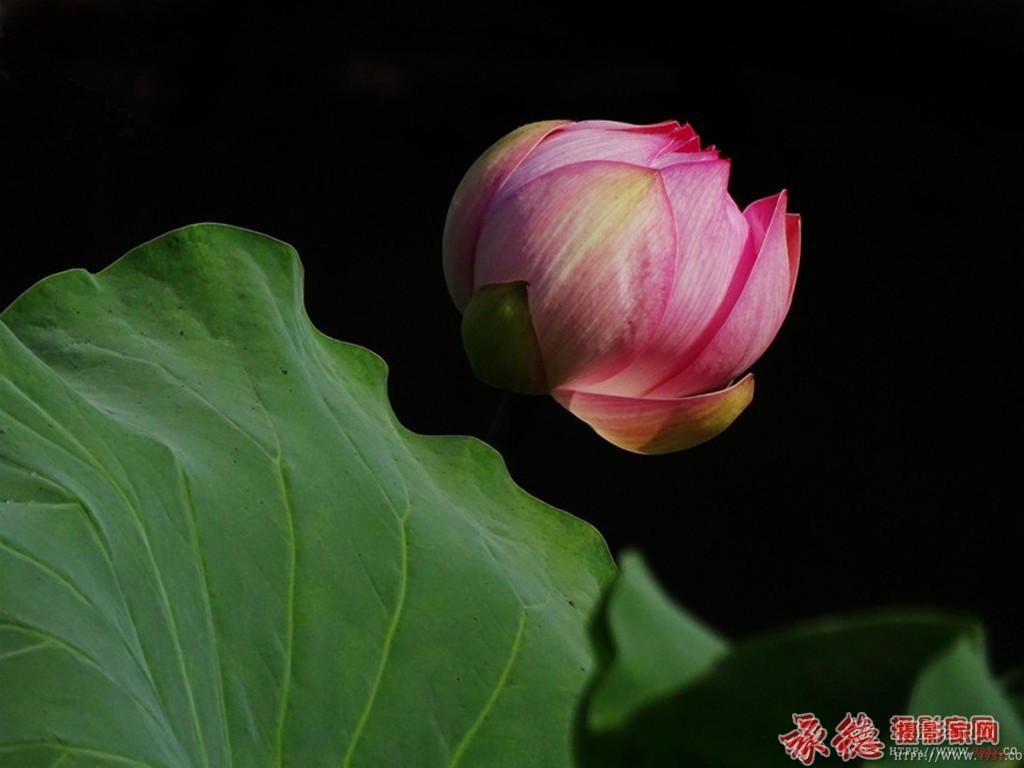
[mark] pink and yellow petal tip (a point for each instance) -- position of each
(660, 425)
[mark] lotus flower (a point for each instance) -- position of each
(606, 264)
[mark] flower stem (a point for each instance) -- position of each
(509, 421)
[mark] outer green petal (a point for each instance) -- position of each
(472, 199)
(659, 425)
(500, 341)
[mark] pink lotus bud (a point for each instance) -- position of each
(606, 264)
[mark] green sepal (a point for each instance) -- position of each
(500, 340)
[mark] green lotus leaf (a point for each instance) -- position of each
(218, 547)
(726, 706)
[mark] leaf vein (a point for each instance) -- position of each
(389, 639)
(474, 728)
(51, 640)
(73, 749)
(165, 605)
(290, 616)
(208, 610)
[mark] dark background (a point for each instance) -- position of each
(879, 462)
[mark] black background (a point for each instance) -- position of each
(878, 464)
